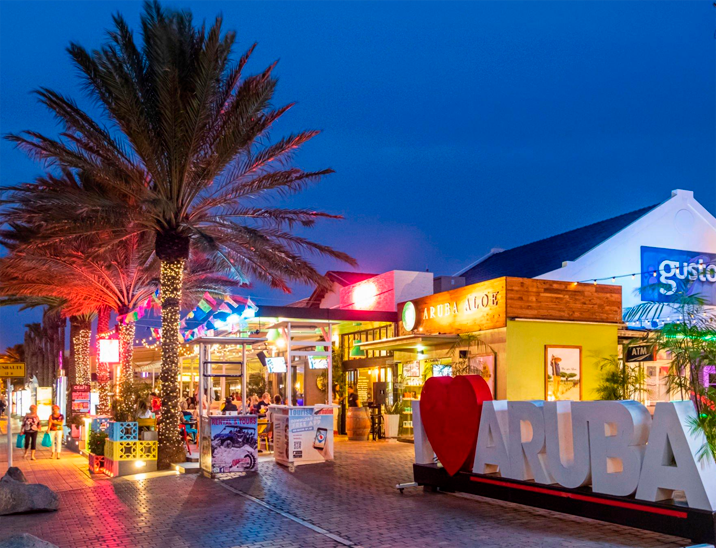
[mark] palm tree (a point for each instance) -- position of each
(187, 159)
(117, 279)
(13, 354)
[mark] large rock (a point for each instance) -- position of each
(25, 540)
(17, 496)
(15, 473)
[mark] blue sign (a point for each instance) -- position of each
(674, 271)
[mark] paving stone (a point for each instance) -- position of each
(353, 497)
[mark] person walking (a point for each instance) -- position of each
(54, 428)
(30, 428)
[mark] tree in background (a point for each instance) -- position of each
(185, 160)
(689, 339)
(621, 381)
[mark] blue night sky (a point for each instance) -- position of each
(453, 127)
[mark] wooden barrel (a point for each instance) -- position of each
(358, 423)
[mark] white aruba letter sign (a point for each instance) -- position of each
(614, 445)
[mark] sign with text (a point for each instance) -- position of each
(488, 305)
(640, 353)
(492, 438)
(302, 435)
(668, 273)
(470, 308)
(12, 370)
(80, 396)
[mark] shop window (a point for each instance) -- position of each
(367, 335)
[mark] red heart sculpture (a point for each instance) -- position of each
(450, 409)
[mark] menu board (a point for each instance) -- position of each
(363, 389)
(411, 369)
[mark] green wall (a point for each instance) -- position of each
(526, 340)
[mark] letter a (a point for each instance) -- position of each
(491, 451)
(670, 462)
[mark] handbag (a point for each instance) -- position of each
(20, 441)
(46, 440)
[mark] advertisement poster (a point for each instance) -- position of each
(484, 365)
(303, 435)
(563, 366)
(80, 396)
(229, 444)
(44, 402)
(280, 438)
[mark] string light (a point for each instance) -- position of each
(81, 342)
(171, 448)
(614, 278)
(126, 351)
(104, 406)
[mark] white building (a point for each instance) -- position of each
(672, 244)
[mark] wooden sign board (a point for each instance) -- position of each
(12, 370)
(488, 305)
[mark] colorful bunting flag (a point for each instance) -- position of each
(208, 298)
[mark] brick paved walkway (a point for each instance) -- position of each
(353, 498)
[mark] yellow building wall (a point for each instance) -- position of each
(525, 356)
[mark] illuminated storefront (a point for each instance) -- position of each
(529, 339)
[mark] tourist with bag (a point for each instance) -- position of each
(54, 429)
(30, 428)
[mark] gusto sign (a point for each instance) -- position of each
(613, 445)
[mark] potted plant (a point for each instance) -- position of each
(95, 446)
(392, 419)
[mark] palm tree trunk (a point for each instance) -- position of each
(171, 448)
(103, 383)
(80, 341)
(126, 386)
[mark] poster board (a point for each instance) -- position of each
(229, 444)
(484, 365)
(563, 372)
(44, 402)
(302, 435)
(80, 397)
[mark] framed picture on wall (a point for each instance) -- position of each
(563, 372)
(484, 365)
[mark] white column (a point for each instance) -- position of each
(243, 377)
(8, 395)
(329, 392)
(289, 379)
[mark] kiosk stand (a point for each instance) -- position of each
(302, 435)
(227, 443)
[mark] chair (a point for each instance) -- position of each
(264, 433)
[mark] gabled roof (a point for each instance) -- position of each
(341, 278)
(537, 258)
